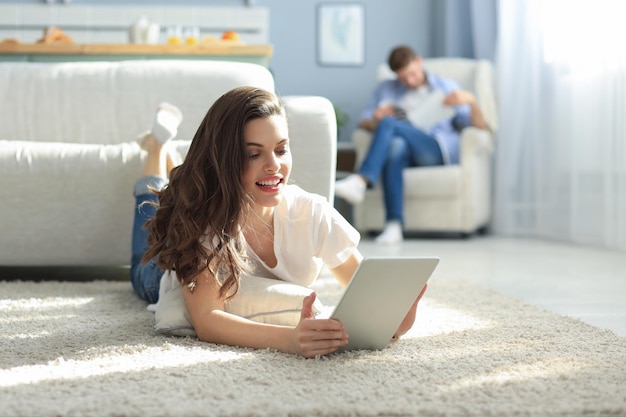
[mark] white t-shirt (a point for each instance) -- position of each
(308, 234)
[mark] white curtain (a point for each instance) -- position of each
(561, 147)
(466, 28)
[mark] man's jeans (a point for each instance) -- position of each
(396, 145)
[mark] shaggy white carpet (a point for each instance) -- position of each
(86, 349)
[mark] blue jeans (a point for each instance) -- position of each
(145, 277)
(396, 145)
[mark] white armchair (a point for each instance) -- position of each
(450, 198)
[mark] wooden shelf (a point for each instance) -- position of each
(213, 50)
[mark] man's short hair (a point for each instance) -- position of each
(400, 57)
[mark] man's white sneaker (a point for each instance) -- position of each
(352, 188)
(391, 235)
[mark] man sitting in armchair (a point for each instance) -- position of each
(416, 119)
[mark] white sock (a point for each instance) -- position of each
(392, 233)
(352, 188)
(166, 122)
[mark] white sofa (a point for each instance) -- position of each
(68, 156)
(451, 198)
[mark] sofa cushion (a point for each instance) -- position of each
(438, 181)
(110, 102)
(51, 207)
(73, 202)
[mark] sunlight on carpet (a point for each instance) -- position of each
(540, 369)
(109, 361)
(437, 318)
(40, 304)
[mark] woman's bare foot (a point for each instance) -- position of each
(156, 161)
(161, 159)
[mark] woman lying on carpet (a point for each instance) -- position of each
(227, 214)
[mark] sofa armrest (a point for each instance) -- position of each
(474, 142)
(313, 136)
(476, 150)
(475, 155)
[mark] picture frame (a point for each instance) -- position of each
(341, 34)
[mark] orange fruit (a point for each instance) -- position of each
(230, 35)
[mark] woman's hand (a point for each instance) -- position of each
(409, 319)
(313, 337)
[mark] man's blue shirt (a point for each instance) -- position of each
(446, 132)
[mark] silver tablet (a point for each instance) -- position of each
(379, 296)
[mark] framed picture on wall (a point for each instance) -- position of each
(340, 34)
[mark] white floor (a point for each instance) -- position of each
(583, 282)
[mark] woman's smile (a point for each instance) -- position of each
(270, 184)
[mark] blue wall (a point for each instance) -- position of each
(293, 35)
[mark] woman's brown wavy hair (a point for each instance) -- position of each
(206, 200)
